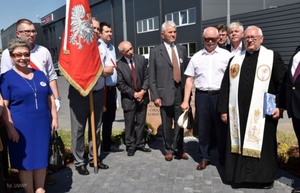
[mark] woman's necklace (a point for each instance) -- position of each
(33, 90)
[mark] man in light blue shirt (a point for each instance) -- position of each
(109, 115)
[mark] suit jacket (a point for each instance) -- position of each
(290, 92)
(161, 81)
(125, 81)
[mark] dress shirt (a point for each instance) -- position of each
(105, 59)
(128, 62)
(237, 51)
(169, 50)
(208, 68)
(108, 50)
(296, 60)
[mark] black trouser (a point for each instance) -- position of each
(296, 125)
(109, 117)
(4, 153)
(2, 187)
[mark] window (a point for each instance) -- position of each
(46, 35)
(54, 32)
(145, 50)
(190, 48)
(183, 17)
(147, 25)
(51, 35)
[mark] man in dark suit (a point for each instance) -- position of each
(168, 62)
(290, 92)
(133, 85)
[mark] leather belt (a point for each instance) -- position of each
(209, 92)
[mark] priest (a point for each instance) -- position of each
(251, 152)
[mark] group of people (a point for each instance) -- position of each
(30, 104)
(230, 81)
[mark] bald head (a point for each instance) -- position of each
(210, 38)
(126, 49)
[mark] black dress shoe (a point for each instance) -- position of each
(144, 149)
(267, 185)
(101, 165)
(131, 152)
(82, 170)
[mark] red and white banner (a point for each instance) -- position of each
(79, 59)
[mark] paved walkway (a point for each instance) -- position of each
(149, 172)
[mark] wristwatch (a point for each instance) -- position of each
(58, 98)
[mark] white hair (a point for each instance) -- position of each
(253, 26)
(167, 23)
(236, 25)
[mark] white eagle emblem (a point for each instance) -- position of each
(81, 29)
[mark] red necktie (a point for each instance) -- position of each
(176, 70)
(297, 72)
(133, 75)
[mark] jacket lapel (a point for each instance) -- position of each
(165, 54)
(291, 64)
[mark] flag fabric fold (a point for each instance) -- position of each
(79, 59)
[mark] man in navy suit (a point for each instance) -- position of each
(166, 87)
(290, 94)
(133, 85)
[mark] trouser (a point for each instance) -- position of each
(135, 126)
(296, 125)
(79, 114)
(109, 117)
(2, 187)
(172, 138)
(206, 107)
(4, 153)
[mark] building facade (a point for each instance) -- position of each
(281, 24)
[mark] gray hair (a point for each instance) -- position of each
(236, 25)
(15, 43)
(259, 30)
(167, 23)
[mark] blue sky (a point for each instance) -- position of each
(13, 10)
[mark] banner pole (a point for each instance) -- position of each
(93, 131)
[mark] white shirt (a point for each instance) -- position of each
(237, 51)
(40, 56)
(105, 59)
(169, 50)
(208, 68)
(128, 61)
(296, 60)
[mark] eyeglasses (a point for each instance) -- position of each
(253, 38)
(28, 32)
(19, 55)
(210, 39)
